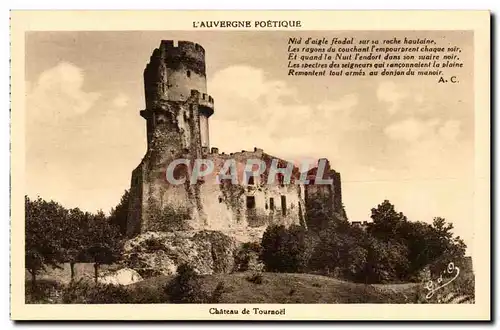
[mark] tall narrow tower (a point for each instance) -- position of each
(173, 72)
(177, 112)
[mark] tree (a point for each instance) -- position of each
(386, 221)
(43, 228)
(34, 262)
(74, 238)
(446, 247)
(119, 214)
(55, 235)
(286, 250)
(186, 287)
(273, 253)
(104, 243)
(340, 250)
(320, 213)
(244, 255)
(299, 249)
(385, 261)
(417, 238)
(423, 244)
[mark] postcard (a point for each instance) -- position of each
(250, 165)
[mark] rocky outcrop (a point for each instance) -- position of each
(160, 253)
(124, 276)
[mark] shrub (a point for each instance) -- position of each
(339, 251)
(385, 262)
(217, 294)
(152, 245)
(148, 296)
(256, 278)
(246, 257)
(186, 287)
(82, 292)
(168, 218)
(286, 249)
(45, 292)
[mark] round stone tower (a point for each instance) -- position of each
(176, 68)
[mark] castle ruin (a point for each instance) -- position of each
(177, 114)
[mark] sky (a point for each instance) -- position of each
(406, 139)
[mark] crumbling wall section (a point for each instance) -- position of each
(135, 207)
(323, 201)
(249, 205)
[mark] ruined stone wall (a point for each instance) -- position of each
(337, 190)
(135, 207)
(210, 204)
(323, 201)
(247, 204)
(230, 206)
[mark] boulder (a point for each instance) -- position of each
(124, 276)
(160, 253)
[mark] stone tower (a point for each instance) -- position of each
(174, 72)
(177, 113)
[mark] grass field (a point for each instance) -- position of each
(291, 288)
(277, 288)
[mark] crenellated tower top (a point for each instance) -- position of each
(174, 69)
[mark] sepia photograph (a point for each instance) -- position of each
(247, 165)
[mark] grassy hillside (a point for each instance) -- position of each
(290, 288)
(240, 288)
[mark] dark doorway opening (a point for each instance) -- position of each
(250, 202)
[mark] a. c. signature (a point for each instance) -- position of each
(431, 286)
